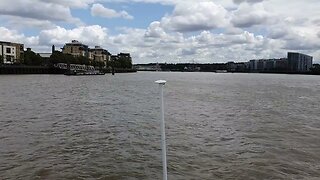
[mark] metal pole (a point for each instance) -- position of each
(163, 133)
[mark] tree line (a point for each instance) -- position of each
(59, 57)
(122, 62)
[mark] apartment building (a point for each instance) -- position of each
(76, 48)
(96, 54)
(100, 55)
(299, 62)
(262, 65)
(11, 52)
(125, 56)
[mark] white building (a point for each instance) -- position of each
(8, 53)
(11, 52)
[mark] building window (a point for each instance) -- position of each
(8, 50)
(8, 58)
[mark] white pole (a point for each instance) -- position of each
(163, 133)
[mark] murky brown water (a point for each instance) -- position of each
(219, 126)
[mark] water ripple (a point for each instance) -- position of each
(219, 126)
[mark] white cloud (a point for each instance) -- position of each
(197, 16)
(21, 23)
(100, 10)
(200, 30)
(248, 1)
(277, 33)
(15, 36)
(36, 9)
(155, 30)
(161, 46)
(249, 15)
(301, 38)
(71, 3)
(92, 35)
(205, 47)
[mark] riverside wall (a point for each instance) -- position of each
(22, 69)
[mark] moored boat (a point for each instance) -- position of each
(83, 73)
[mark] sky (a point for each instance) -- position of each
(171, 31)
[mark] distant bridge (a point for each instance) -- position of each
(74, 67)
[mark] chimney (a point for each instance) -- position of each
(53, 49)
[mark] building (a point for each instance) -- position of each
(122, 60)
(147, 67)
(269, 65)
(126, 56)
(298, 62)
(237, 67)
(114, 58)
(231, 66)
(45, 55)
(261, 63)
(100, 55)
(76, 48)
(257, 65)
(281, 65)
(253, 65)
(11, 52)
(96, 54)
(125, 59)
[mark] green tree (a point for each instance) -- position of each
(97, 64)
(316, 69)
(59, 57)
(83, 60)
(31, 58)
(123, 62)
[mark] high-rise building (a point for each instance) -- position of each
(11, 52)
(298, 62)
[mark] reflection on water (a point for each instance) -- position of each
(219, 126)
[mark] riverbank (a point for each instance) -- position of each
(267, 72)
(22, 69)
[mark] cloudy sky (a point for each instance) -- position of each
(168, 30)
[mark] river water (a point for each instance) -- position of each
(219, 126)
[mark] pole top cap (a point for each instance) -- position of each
(162, 82)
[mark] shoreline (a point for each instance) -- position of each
(288, 73)
(25, 70)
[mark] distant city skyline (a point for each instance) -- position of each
(171, 31)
